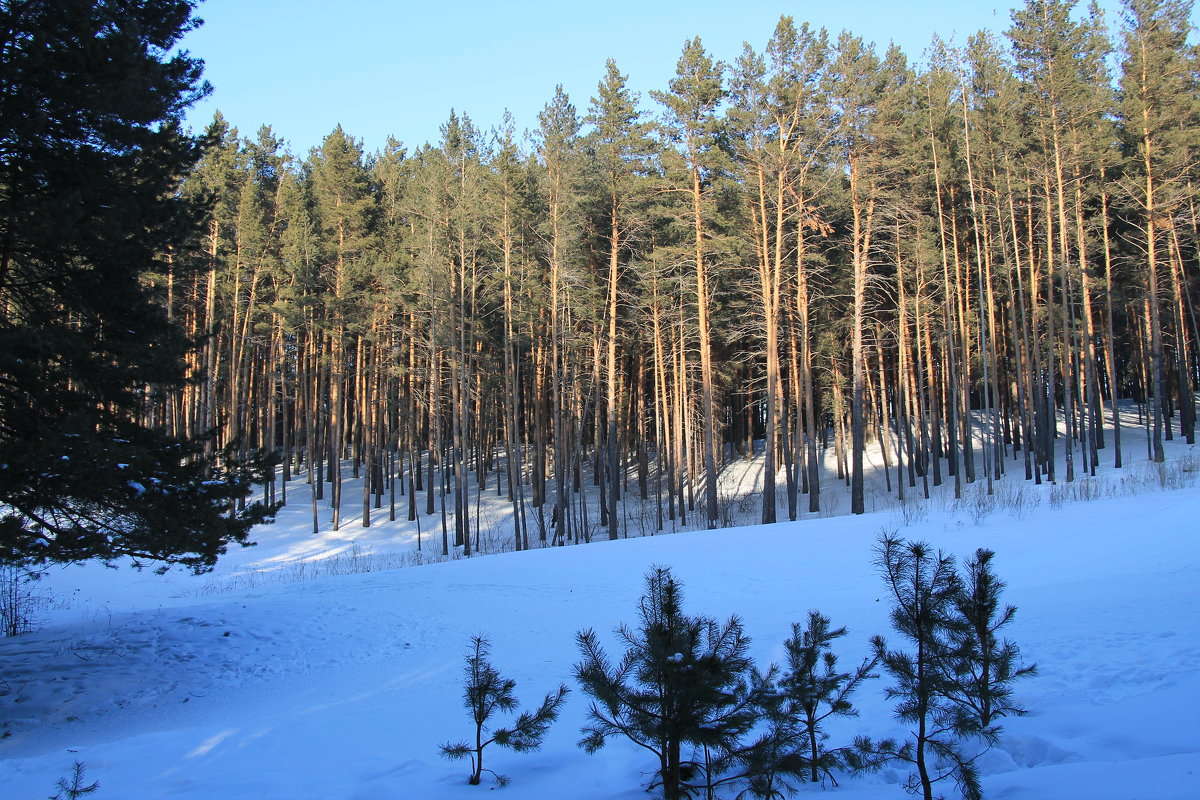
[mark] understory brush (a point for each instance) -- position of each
(20, 604)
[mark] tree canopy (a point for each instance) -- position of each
(91, 219)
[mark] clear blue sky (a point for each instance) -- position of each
(394, 67)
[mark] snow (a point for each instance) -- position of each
(329, 666)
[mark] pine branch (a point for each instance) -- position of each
(530, 729)
(456, 750)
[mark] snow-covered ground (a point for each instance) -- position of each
(329, 666)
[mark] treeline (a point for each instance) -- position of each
(963, 262)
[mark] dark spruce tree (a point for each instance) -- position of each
(91, 151)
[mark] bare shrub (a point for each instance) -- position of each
(979, 504)
(19, 604)
(912, 510)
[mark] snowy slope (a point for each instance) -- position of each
(276, 677)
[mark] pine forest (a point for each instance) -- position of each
(823, 249)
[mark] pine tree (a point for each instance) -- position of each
(797, 102)
(1157, 114)
(73, 788)
(926, 246)
(780, 127)
(215, 186)
(814, 691)
(683, 682)
(1062, 62)
(558, 153)
(487, 692)
(344, 206)
(508, 219)
(864, 89)
(987, 665)
(89, 206)
(691, 122)
(925, 587)
(621, 149)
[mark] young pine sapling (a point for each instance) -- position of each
(487, 692)
(74, 787)
(813, 690)
(683, 682)
(987, 665)
(925, 588)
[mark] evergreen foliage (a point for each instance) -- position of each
(820, 247)
(486, 691)
(74, 787)
(987, 665)
(685, 690)
(90, 209)
(813, 691)
(691, 122)
(954, 681)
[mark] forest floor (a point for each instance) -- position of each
(329, 665)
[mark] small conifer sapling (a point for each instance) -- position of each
(925, 587)
(988, 665)
(74, 787)
(684, 683)
(814, 690)
(486, 692)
